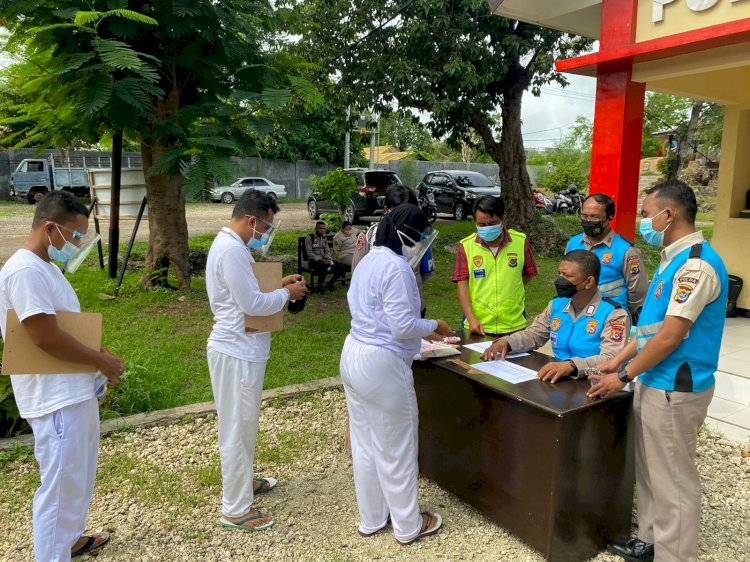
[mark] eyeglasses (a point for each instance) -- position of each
(270, 226)
(77, 238)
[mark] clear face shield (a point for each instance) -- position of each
(72, 265)
(263, 250)
(415, 253)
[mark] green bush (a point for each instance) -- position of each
(562, 176)
(336, 186)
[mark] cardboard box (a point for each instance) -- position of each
(22, 356)
(268, 275)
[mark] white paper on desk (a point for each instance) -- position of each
(506, 371)
(483, 345)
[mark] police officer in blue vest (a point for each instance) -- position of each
(623, 278)
(584, 327)
(674, 355)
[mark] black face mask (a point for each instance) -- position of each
(591, 228)
(565, 288)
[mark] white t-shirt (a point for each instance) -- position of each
(31, 286)
(384, 304)
(233, 292)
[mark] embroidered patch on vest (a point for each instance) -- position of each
(555, 324)
(590, 310)
(553, 338)
(477, 261)
(591, 326)
(512, 260)
(617, 330)
(607, 258)
(657, 293)
(683, 293)
(479, 273)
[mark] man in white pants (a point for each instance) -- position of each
(61, 409)
(237, 360)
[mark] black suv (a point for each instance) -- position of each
(454, 191)
(367, 198)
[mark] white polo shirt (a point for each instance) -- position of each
(384, 304)
(30, 286)
(233, 292)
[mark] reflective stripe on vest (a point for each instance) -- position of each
(611, 280)
(580, 337)
(691, 366)
(496, 290)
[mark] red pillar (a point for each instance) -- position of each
(616, 152)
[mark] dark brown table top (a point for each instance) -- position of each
(566, 396)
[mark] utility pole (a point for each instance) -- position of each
(114, 213)
(347, 147)
(372, 146)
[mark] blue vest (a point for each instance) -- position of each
(690, 367)
(580, 337)
(612, 284)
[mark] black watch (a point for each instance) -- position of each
(623, 376)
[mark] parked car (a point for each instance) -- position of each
(454, 191)
(229, 193)
(367, 198)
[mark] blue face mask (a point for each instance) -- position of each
(256, 243)
(653, 237)
(63, 254)
(490, 233)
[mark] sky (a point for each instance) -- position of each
(547, 118)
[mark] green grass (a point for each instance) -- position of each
(162, 334)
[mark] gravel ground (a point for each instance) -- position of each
(158, 493)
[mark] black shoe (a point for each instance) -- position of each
(634, 551)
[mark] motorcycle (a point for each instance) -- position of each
(567, 201)
(542, 202)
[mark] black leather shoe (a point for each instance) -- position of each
(634, 551)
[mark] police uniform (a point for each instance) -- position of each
(671, 399)
(496, 287)
(317, 249)
(595, 334)
(622, 278)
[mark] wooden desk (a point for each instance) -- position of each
(544, 461)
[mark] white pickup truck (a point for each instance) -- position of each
(34, 177)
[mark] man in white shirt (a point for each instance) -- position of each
(61, 409)
(237, 360)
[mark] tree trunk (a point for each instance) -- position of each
(510, 156)
(168, 233)
(684, 145)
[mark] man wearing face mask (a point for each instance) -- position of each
(623, 278)
(61, 409)
(492, 267)
(674, 355)
(584, 327)
(237, 360)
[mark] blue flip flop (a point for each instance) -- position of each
(266, 485)
(224, 522)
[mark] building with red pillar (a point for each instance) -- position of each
(693, 48)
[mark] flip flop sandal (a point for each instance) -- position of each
(266, 485)
(376, 531)
(90, 544)
(241, 524)
(428, 530)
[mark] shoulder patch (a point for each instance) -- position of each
(684, 290)
(617, 330)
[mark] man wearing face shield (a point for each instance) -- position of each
(237, 360)
(61, 409)
(674, 355)
(375, 365)
(623, 278)
(584, 327)
(492, 267)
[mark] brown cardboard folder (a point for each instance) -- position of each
(21, 355)
(268, 275)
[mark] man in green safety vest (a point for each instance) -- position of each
(492, 267)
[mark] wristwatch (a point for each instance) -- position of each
(575, 367)
(623, 376)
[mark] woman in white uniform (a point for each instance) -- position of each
(376, 370)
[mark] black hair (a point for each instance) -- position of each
(604, 200)
(58, 207)
(397, 194)
(678, 193)
(255, 203)
(317, 224)
(587, 261)
(491, 205)
(345, 224)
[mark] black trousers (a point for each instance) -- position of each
(320, 270)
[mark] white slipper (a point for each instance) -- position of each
(434, 522)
